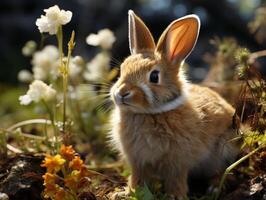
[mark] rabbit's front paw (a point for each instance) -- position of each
(176, 190)
(173, 197)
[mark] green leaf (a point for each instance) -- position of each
(142, 193)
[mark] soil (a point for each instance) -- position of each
(21, 179)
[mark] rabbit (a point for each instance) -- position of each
(162, 125)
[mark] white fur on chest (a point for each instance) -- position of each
(136, 142)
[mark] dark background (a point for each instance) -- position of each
(219, 18)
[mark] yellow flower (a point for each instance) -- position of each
(76, 163)
(50, 185)
(53, 163)
(60, 195)
(50, 190)
(67, 152)
(72, 180)
(49, 178)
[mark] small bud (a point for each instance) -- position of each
(25, 76)
(29, 48)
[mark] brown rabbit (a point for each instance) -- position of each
(164, 126)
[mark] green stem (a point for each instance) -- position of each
(231, 167)
(65, 83)
(80, 118)
(63, 70)
(71, 45)
(60, 44)
(51, 116)
(3, 145)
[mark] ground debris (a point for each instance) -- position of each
(3, 196)
(20, 177)
(87, 196)
(255, 189)
(258, 187)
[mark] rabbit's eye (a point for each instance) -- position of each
(154, 76)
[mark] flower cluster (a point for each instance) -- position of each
(44, 63)
(65, 174)
(38, 91)
(98, 68)
(53, 19)
(105, 39)
(68, 74)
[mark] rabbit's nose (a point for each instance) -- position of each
(124, 95)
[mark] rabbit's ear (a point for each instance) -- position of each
(140, 38)
(179, 38)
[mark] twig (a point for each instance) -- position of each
(107, 166)
(28, 122)
(27, 135)
(253, 56)
(231, 167)
(14, 149)
(104, 176)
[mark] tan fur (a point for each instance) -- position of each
(170, 144)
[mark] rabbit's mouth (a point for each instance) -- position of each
(123, 103)
(127, 106)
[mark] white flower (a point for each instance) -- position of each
(97, 68)
(105, 39)
(78, 60)
(53, 18)
(44, 26)
(39, 73)
(25, 99)
(76, 64)
(82, 91)
(24, 76)
(44, 62)
(38, 91)
(29, 48)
